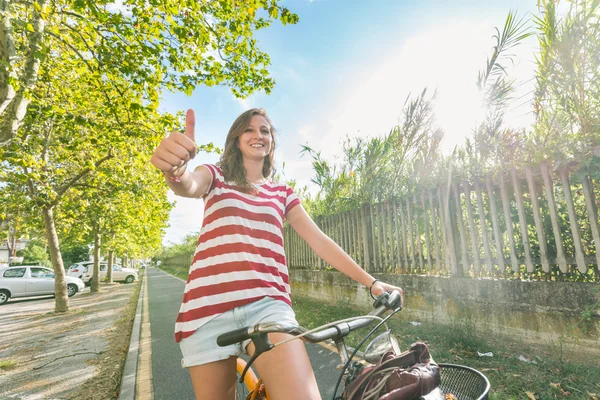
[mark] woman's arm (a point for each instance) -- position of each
(172, 156)
(192, 184)
(333, 254)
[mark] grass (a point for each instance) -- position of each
(180, 272)
(6, 365)
(548, 376)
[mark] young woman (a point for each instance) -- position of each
(239, 275)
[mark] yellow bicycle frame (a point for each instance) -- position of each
(252, 383)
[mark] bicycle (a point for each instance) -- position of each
(464, 383)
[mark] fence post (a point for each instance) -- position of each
(453, 204)
(390, 233)
(539, 226)
(366, 237)
(495, 224)
(395, 213)
(548, 187)
(461, 229)
(411, 241)
(522, 220)
(564, 176)
(509, 228)
(426, 231)
(375, 244)
(484, 229)
(436, 242)
(382, 236)
(474, 244)
(592, 214)
(404, 241)
(448, 247)
(418, 234)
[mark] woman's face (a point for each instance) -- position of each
(256, 141)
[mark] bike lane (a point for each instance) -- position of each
(169, 379)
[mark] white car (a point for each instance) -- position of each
(26, 281)
(119, 274)
(77, 270)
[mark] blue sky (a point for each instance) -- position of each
(346, 69)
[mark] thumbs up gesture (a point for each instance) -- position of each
(173, 153)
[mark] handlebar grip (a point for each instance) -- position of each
(389, 300)
(395, 300)
(232, 337)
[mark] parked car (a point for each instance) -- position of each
(78, 269)
(26, 281)
(119, 274)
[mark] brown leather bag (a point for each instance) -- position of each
(407, 376)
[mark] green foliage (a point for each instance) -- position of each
(568, 71)
(74, 253)
(380, 168)
(187, 247)
(36, 252)
(176, 45)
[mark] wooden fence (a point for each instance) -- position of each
(532, 223)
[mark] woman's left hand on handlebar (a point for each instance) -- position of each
(380, 287)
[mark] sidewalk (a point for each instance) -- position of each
(72, 356)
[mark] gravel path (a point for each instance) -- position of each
(54, 354)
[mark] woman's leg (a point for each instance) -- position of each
(215, 380)
(286, 370)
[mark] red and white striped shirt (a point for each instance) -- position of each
(240, 257)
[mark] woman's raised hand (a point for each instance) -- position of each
(173, 153)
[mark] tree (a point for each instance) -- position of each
(35, 251)
(93, 75)
(72, 252)
(66, 138)
(123, 215)
(175, 45)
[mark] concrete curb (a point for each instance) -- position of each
(128, 382)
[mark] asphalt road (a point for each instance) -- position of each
(170, 380)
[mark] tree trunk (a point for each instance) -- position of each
(13, 104)
(111, 255)
(95, 287)
(124, 260)
(61, 300)
(11, 243)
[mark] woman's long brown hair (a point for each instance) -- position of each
(232, 162)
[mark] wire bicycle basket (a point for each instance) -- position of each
(463, 382)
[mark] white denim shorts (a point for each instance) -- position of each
(202, 348)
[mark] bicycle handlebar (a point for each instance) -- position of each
(239, 335)
(387, 301)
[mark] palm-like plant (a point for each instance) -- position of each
(567, 96)
(380, 168)
(492, 142)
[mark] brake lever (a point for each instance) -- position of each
(261, 345)
(388, 301)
